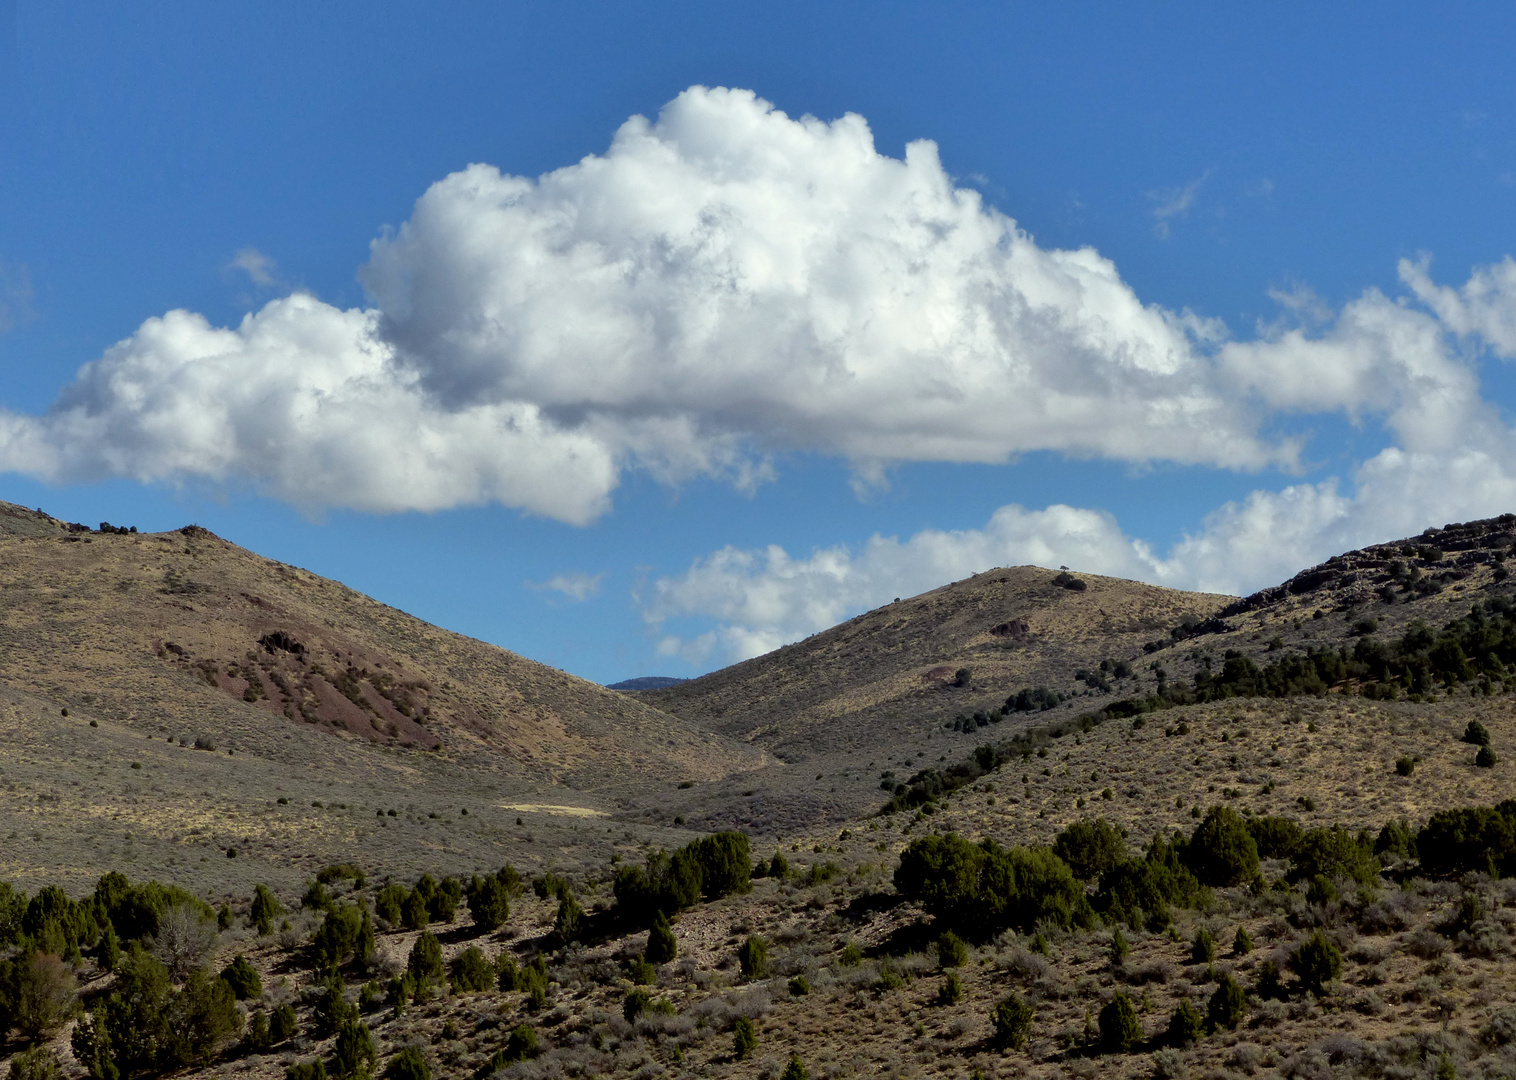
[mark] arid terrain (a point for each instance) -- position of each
(177, 709)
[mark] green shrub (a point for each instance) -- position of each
(951, 950)
(242, 978)
(345, 931)
(1477, 839)
(353, 1052)
(1119, 1029)
(1227, 1005)
(1222, 851)
(569, 919)
(779, 866)
(1090, 847)
(1276, 837)
(522, 1045)
(332, 1009)
(1405, 765)
(1012, 1020)
(744, 1040)
(1186, 1025)
(425, 961)
(488, 904)
(413, 911)
(389, 903)
(508, 975)
(1476, 733)
(795, 1070)
(264, 910)
(38, 1063)
(308, 1070)
(987, 888)
(661, 944)
(1316, 962)
(1334, 853)
(408, 1064)
(1141, 890)
(471, 972)
(1203, 948)
(1268, 985)
(799, 986)
(641, 972)
(1486, 758)
(1396, 839)
(635, 1003)
(753, 958)
(282, 1025)
(951, 990)
(850, 956)
(1120, 949)
(1242, 944)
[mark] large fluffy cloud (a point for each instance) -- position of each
(722, 283)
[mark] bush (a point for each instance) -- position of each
(1012, 1020)
(951, 951)
(951, 990)
(987, 888)
(309, 1070)
(38, 1063)
(744, 1041)
(488, 904)
(242, 978)
(799, 986)
(37, 993)
(1090, 847)
(1141, 890)
(641, 972)
(1405, 765)
(425, 961)
(568, 920)
(1486, 758)
(753, 958)
(1120, 949)
(345, 931)
(408, 1064)
(1227, 1005)
(1119, 1029)
(1476, 734)
(635, 1004)
(332, 1009)
(795, 1070)
(1222, 851)
(1334, 853)
(1276, 837)
(470, 972)
(1478, 839)
(353, 1053)
(661, 944)
(1316, 962)
(1186, 1025)
(1203, 948)
(282, 1025)
(1396, 839)
(1242, 944)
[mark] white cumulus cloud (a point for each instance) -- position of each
(722, 283)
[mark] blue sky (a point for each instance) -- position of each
(1183, 293)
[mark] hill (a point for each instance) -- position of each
(904, 668)
(305, 689)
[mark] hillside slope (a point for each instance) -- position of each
(186, 633)
(895, 670)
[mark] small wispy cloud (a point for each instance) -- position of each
(16, 296)
(1174, 203)
(576, 587)
(261, 270)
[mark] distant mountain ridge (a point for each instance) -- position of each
(646, 682)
